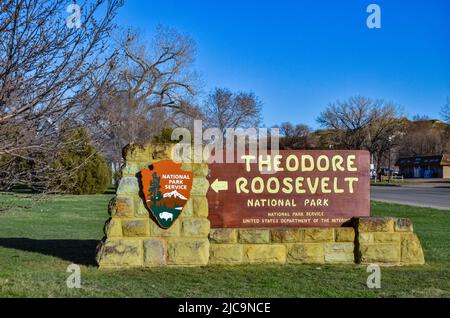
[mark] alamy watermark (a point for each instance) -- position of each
(374, 19)
(74, 279)
(73, 21)
(213, 145)
(374, 279)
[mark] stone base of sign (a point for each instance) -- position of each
(133, 239)
(385, 241)
(282, 246)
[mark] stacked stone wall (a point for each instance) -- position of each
(133, 239)
(389, 241)
(282, 246)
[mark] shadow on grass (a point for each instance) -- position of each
(81, 252)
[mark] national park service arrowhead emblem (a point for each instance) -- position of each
(166, 190)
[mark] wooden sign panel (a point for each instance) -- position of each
(290, 189)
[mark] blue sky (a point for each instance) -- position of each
(298, 56)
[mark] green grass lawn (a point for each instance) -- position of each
(38, 240)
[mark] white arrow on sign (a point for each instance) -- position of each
(219, 185)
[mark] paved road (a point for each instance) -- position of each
(438, 198)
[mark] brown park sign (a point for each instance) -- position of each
(290, 189)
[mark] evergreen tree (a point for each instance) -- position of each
(87, 171)
(154, 191)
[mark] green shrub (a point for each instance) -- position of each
(165, 136)
(87, 172)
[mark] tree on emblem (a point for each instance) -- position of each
(154, 191)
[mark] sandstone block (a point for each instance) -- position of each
(195, 227)
(186, 155)
(198, 169)
(379, 237)
(147, 153)
(344, 234)
(365, 237)
(160, 152)
(383, 253)
(128, 186)
(200, 186)
(223, 236)
(154, 252)
(186, 166)
(318, 235)
(120, 253)
(386, 237)
(411, 250)
(188, 251)
(226, 254)
(188, 209)
(286, 236)
(200, 206)
(136, 227)
(375, 224)
(305, 253)
(141, 209)
(135, 152)
(265, 254)
(130, 169)
(339, 253)
(121, 207)
(113, 228)
(254, 236)
(403, 225)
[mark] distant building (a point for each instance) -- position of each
(425, 166)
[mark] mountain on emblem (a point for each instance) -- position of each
(166, 189)
(175, 194)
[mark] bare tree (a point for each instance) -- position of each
(385, 135)
(225, 109)
(294, 136)
(362, 123)
(446, 111)
(151, 89)
(161, 78)
(44, 65)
